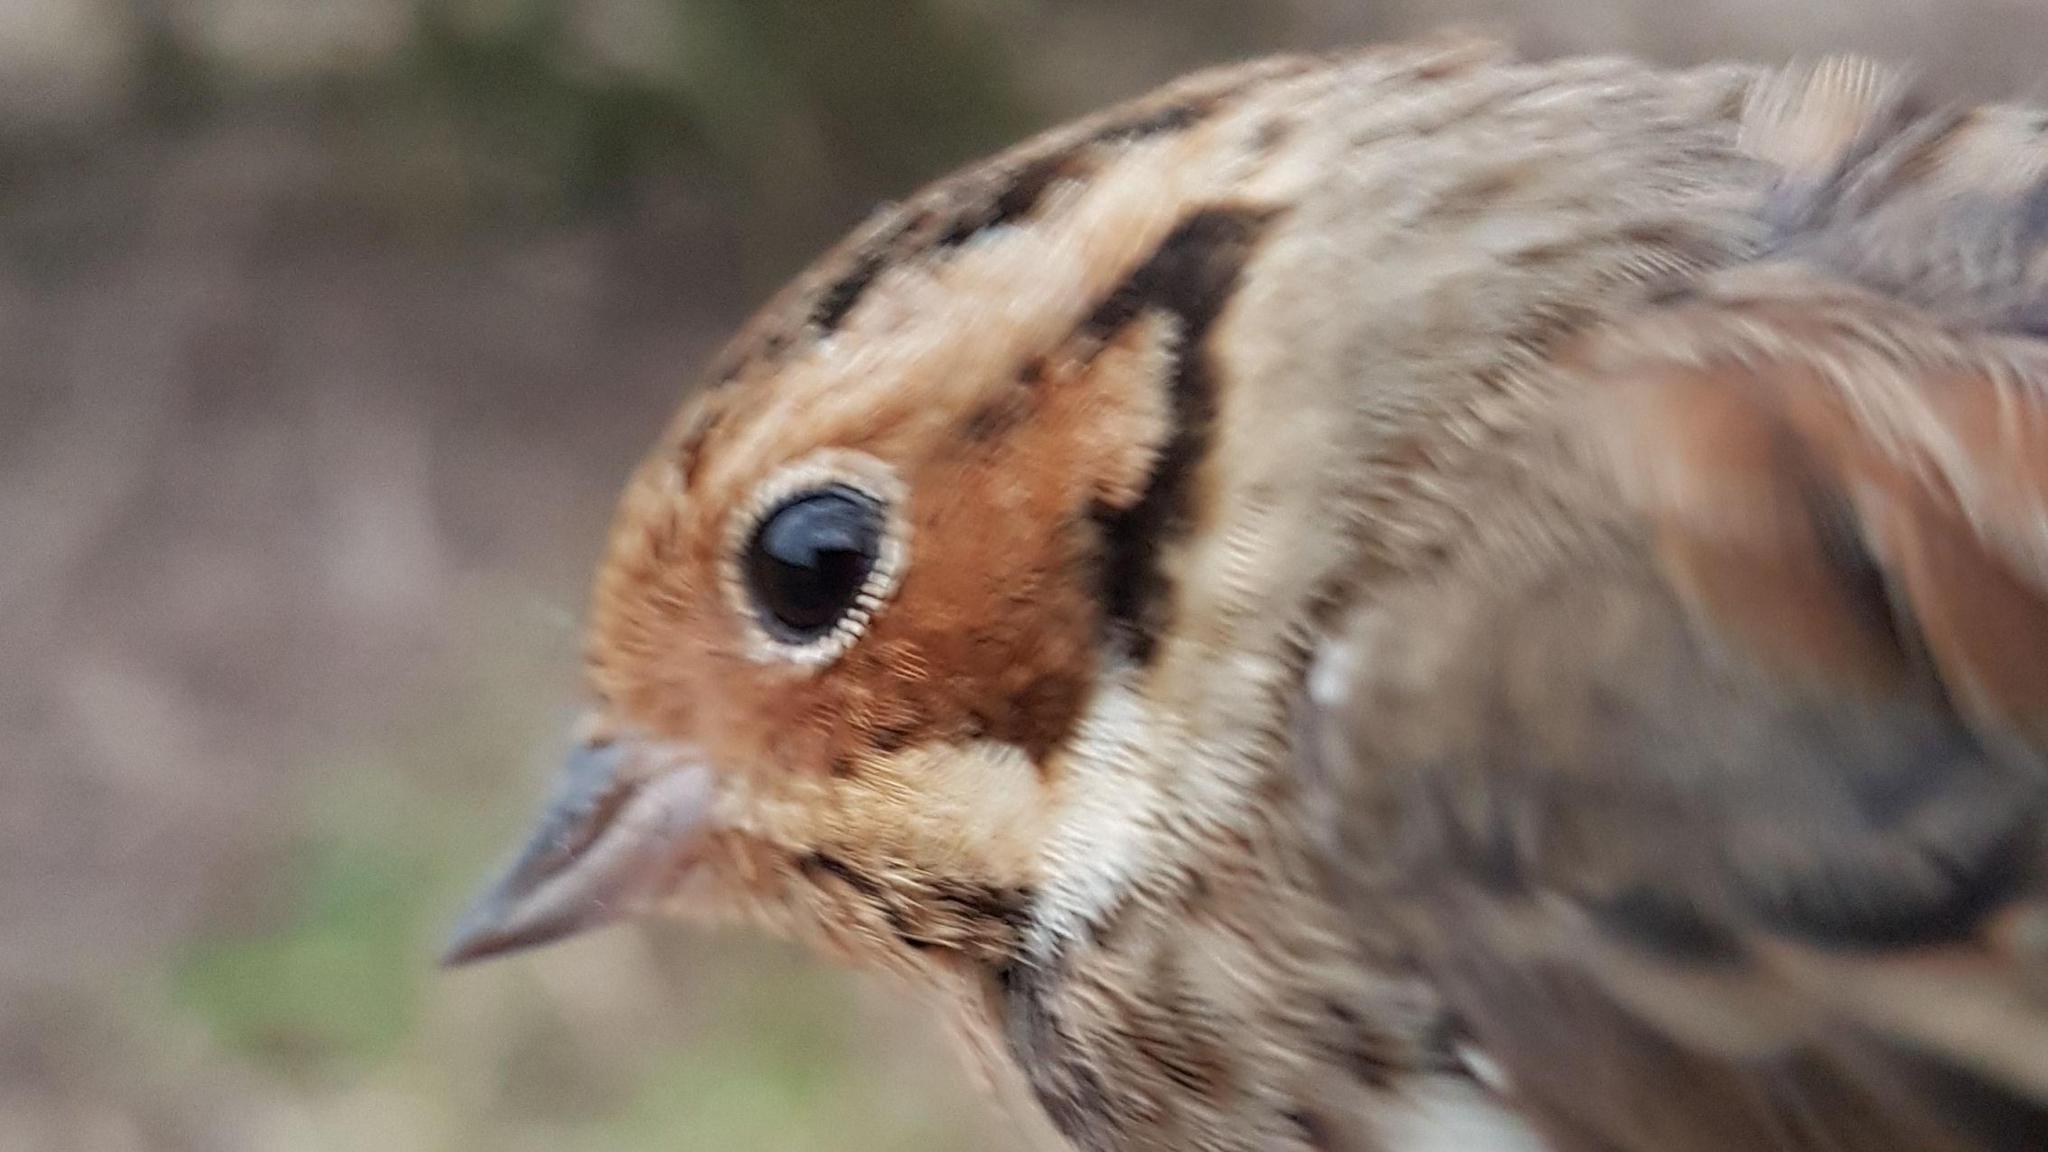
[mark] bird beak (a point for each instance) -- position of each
(609, 843)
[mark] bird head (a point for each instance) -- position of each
(881, 648)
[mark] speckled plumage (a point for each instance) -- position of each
(1434, 602)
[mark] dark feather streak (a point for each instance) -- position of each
(1190, 276)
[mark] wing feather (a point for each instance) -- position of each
(1732, 833)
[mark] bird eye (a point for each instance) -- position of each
(809, 561)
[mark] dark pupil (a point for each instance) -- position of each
(810, 558)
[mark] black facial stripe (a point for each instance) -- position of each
(1154, 122)
(1012, 196)
(984, 921)
(947, 215)
(1191, 275)
(831, 307)
(846, 873)
(976, 202)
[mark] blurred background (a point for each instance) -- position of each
(327, 330)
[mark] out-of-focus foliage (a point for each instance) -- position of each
(469, 113)
(327, 330)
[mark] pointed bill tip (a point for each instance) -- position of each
(603, 845)
(465, 948)
(496, 925)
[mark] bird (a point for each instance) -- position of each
(1400, 600)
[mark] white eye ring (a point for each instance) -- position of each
(832, 467)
